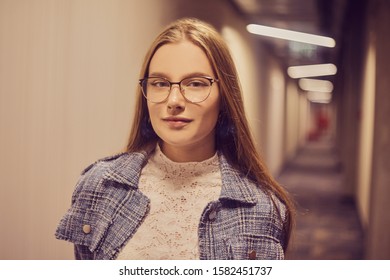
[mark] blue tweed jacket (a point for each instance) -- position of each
(107, 209)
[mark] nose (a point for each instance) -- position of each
(176, 101)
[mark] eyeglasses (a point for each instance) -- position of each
(193, 89)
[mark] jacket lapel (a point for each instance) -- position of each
(235, 186)
(127, 169)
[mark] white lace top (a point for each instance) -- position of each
(179, 192)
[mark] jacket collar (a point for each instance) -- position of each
(235, 185)
(126, 169)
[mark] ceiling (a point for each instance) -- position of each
(320, 17)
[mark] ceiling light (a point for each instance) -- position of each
(291, 35)
(314, 70)
(319, 97)
(315, 85)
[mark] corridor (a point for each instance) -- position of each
(327, 225)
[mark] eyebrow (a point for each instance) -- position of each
(192, 74)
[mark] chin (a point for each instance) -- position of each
(176, 142)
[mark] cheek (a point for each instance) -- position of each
(210, 118)
(152, 111)
(154, 117)
(213, 115)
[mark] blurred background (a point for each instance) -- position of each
(68, 74)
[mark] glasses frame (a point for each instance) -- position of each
(210, 79)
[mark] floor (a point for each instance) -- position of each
(327, 226)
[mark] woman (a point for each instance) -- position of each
(190, 184)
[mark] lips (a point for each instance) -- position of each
(177, 122)
(177, 119)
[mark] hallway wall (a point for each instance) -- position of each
(378, 233)
(366, 134)
(297, 120)
(292, 120)
(275, 117)
(363, 114)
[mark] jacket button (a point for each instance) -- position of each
(213, 215)
(252, 255)
(86, 229)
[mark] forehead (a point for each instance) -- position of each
(176, 60)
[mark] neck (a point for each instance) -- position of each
(188, 153)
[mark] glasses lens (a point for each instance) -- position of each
(155, 89)
(196, 89)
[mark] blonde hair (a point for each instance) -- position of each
(233, 137)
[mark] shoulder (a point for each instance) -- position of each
(237, 186)
(267, 201)
(122, 168)
(115, 163)
(96, 170)
(271, 212)
(266, 205)
(104, 163)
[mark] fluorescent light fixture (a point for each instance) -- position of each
(291, 35)
(315, 85)
(319, 97)
(314, 70)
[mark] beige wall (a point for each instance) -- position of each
(275, 117)
(363, 121)
(68, 71)
(292, 120)
(366, 137)
(378, 241)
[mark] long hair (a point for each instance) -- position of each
(233, 136)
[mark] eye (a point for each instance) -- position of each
(196, 83)
(159, 83)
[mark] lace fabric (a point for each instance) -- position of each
(178, 192)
